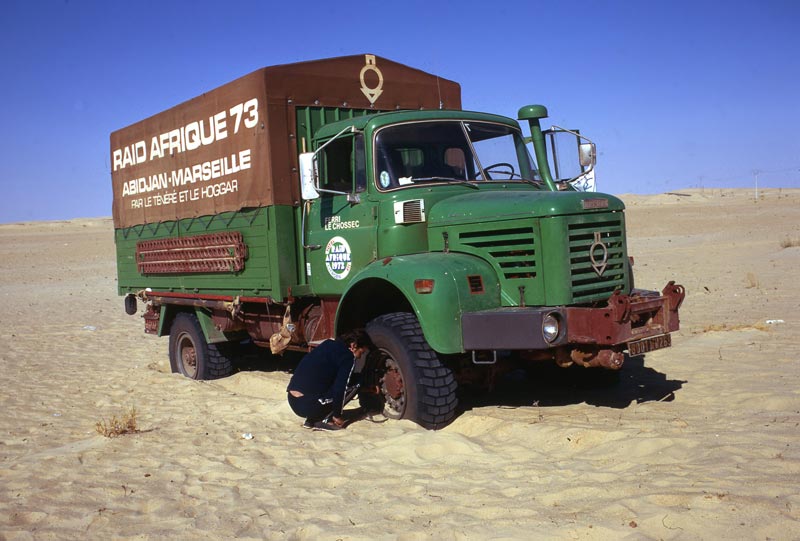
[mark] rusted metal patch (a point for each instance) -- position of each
(213, 252)
(151, 317)
(626, 318)
(675, 293)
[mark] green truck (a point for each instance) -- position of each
(304, 200)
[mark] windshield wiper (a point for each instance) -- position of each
(518, 178)
(469, 183)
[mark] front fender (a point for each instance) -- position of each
(462, 283)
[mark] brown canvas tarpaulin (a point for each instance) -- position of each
(234, 146)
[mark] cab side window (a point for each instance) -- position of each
(337, 165)
(343, 165)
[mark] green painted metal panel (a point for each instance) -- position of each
(283, 246)
(555, 262)
(539, 243)
(212, 334)
(505, 204)
(601, 236)
(511, 247)
(568, 268)
(345, 236)
(269, 269)
(439, 312)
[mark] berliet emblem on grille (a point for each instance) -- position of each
(598, 266)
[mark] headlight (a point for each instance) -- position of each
(550, 327)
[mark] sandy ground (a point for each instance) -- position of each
(699, 441)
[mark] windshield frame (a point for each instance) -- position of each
(529, 177)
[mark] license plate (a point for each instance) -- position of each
(640, 347)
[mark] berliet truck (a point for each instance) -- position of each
(304, 200)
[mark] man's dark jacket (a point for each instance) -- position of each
(323, 373)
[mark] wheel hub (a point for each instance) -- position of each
(393, 384)
(393, 388)
(188, 356)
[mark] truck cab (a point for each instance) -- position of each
(444, 221)
(379, 177)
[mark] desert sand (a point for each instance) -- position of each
(699, 441)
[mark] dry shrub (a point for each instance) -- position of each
(790, 242)
(117, 426)
(724, 327)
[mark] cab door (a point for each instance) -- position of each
(341, 225)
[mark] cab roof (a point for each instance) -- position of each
(378, 120)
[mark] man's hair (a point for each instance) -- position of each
(357, 336)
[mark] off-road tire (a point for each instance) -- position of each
(428, 387)
(190, 355)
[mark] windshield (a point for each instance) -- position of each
(451, 152)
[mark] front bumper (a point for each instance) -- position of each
(624, 319)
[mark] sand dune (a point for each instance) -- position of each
(699, 441)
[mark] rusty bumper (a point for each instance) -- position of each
(588, 335)
(626, 318)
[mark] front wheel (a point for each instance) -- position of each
(414, 383)
(192, 356)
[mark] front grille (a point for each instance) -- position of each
(512, 250)
(596, 257)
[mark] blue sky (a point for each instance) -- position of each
(676, 94)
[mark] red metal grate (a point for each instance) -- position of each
(214, 252)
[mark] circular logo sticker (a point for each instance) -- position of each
(385, 180)
(337, 258)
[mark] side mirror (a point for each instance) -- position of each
(571, 168)
(308, 176)
(587, 154)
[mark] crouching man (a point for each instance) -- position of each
(318, 385)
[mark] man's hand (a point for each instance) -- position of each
(338, 421)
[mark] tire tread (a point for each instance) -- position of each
(436, 384)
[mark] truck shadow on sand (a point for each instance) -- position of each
(541, 385)
(548, 385)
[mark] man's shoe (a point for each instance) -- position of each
(322, 425)
(309, 423)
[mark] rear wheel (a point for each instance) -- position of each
(413, 381)
(190, 355)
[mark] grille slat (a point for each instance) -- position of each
(511, 249)
(583, 261)
(587, 285)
